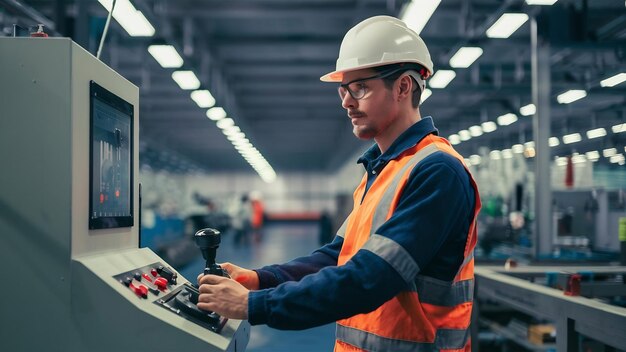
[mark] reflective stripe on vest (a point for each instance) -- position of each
(446, 339)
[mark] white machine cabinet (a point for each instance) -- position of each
(74, 277)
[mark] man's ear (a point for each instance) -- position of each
(405, 87)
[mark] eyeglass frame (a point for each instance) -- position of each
(412, 73)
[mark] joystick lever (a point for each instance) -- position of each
(208, 240)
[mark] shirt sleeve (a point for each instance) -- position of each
(294, 270)
(432, 202)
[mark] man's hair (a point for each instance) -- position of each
(401, 68)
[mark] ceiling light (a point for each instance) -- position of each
(425, 95)
(593, 155)
(553, 141)
(507, 119)
(465, 135)
(441, 79)
(562, 161)
(517, 149)
(454, 139)
(133, 21)
(475, 159)
(489, 126)
(203, 98)
(465, 56)
(166, 56)
(580, 158)
(528, 110)
(619, 128)
(506, 25)
(613, 81)
(186, 79)
(507, 154)
(495, 155)
(541, 2)
(616, 158)
(476, 131)
(571, 96)
(607, 153)
(530, 144)
(224, 123)
(216, 113)
(417, 15)
(595, 133)
(572, 138)
(229, 131)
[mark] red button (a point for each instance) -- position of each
(153, 272)
(145, 276)
(161, 283)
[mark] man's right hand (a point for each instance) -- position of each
(248, 278)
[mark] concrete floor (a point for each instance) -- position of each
(277, 243)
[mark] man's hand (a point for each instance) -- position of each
(223, 296)
(248, 278)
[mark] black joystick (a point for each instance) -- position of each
(208, 240)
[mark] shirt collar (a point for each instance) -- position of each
(372, 158)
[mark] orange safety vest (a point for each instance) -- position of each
(433, 315)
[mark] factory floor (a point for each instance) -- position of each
(277, 243)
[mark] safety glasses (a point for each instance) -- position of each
(358, 90)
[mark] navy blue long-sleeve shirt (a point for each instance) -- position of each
(431, 222)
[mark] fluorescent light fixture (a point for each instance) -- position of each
(530, 144)
(553, 141)
(475, 159)
(465, 57)
(593, 155)
(489, 126)
(465, 135)
(231, 130)
(580, 158)
(616, 158)
(186, 80)
(225, 123)
(619, 128)
(541, 2)
(607, 153)
(133, 21)
(166, 56)
(562, 161)
(596, 133)
(216, 113)
(507, 119)
(495, 155)
(517, 149)
(441, 79)
(454, 139)
(613, 81)
(506, 25)
(528, 110)
(571, 96)
(203, 98)
(507, 153)
(425, 95)
(417, 13)
(476, 131)
(572, 138)
(530, 152)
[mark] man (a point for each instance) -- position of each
(399, 274)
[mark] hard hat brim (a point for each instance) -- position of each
(337, 76)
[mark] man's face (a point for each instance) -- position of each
(373, 113)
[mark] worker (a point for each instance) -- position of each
(399, 274)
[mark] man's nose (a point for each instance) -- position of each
(348, 101)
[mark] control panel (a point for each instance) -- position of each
(159, 283)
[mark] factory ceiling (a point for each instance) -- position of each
(262, 59)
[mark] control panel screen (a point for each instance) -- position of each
(111, 160)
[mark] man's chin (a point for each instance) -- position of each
(363, 135)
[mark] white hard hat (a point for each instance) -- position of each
(379, 41)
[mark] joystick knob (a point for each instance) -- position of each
(208, 240)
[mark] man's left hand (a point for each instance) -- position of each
(223, 296)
